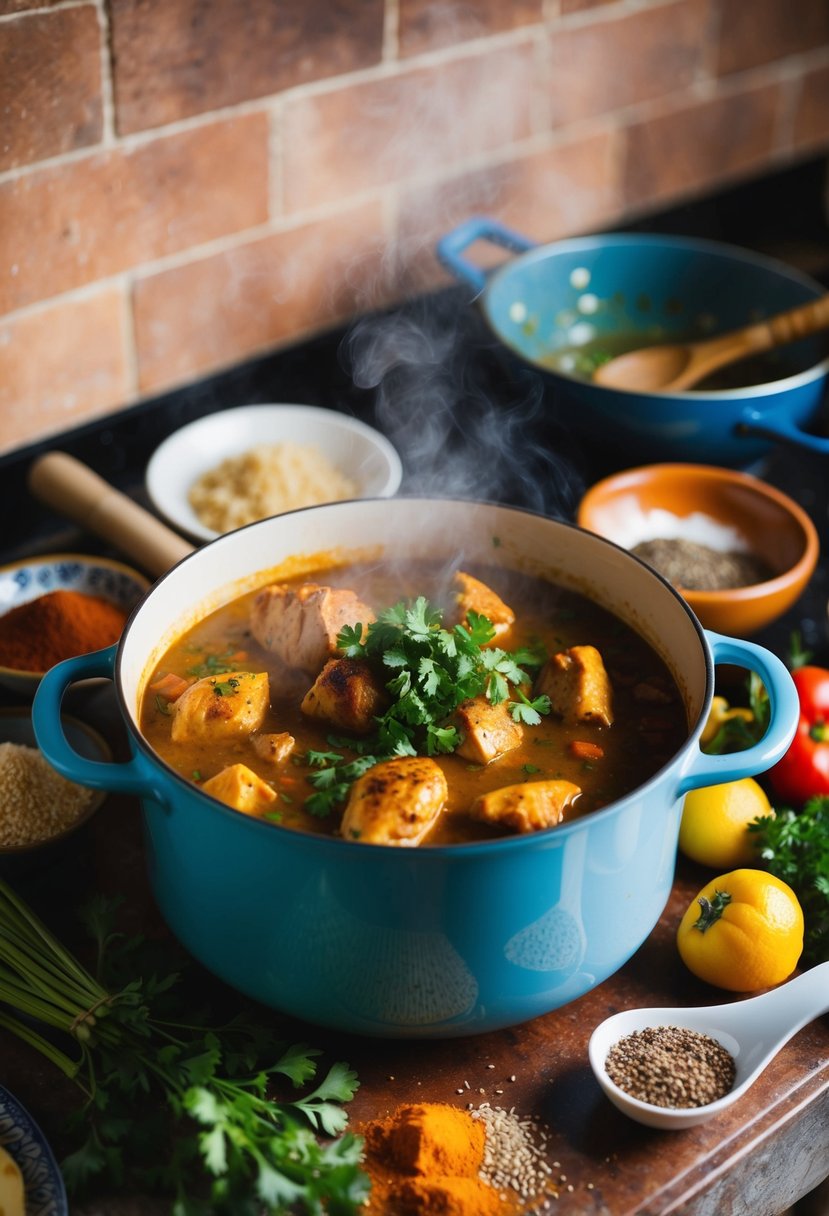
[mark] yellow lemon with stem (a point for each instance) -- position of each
(714, 828)
(743, 932)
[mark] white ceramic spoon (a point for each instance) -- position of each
(753, 1030)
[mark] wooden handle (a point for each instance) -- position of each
(71, 488)
(789, 326)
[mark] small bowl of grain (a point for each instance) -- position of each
(739, 550)
(241, 465)
(39, 809)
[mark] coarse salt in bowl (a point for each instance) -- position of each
(358, 452)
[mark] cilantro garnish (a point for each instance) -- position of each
(226, 688)
(529, 712)
(429, 671)
(216, 664)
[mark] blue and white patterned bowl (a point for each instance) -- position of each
(21, 582)
(23, 1140)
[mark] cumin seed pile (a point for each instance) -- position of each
(671, 1066)
(514, 1158)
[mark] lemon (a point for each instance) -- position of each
(743, 932)
(715, 819)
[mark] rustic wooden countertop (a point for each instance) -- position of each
(755, 1159)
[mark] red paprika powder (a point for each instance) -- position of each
(56, 626)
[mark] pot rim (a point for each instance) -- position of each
(438, 851)
(541, 253)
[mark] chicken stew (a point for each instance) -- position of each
(409, 706)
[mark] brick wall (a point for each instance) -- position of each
(187, 183)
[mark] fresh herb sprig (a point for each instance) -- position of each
(431, 671)
(435, 669)
(217, 663)
(795, 846)
(225, 1145)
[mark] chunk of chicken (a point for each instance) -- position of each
(526, 807)
(239, 787)
(274, 748)
(488, 730)
(578, 686)
(347, 694)
(221, 707)
(395, 802)
(300, 624)
(474, 596)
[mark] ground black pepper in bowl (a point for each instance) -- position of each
(695, 567)
(671, 1066)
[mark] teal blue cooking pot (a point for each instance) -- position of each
(558, 306)
(415, 942)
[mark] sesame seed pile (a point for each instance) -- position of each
(36, 803)
(671, 1066)
(514, 1154)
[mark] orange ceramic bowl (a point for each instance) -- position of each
(720, 508)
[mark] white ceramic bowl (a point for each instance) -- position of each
(26, 580)
(357, 450)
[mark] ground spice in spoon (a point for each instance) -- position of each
(671, 1066)
(695, 567)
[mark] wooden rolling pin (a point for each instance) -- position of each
(71, 488)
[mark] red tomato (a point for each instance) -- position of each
(804, 770)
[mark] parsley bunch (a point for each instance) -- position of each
(171, 1105)
(795, 847)
(431, 671)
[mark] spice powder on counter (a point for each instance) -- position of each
(671, 1066)
(696, 567)
(59, 625)
(433, 1159)
(424, 1160)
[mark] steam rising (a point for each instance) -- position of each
(466, 424)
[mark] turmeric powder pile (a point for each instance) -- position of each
(424, 1160)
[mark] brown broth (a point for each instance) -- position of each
(642, 738)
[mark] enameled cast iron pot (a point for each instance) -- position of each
(428, 942)
(660, 287)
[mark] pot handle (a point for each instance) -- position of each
(135, 776)
(784, 712)
(450, 247)
(754, 422)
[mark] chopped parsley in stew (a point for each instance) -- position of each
(411, 706)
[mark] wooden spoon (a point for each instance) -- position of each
(674, 367)
(70, 487)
